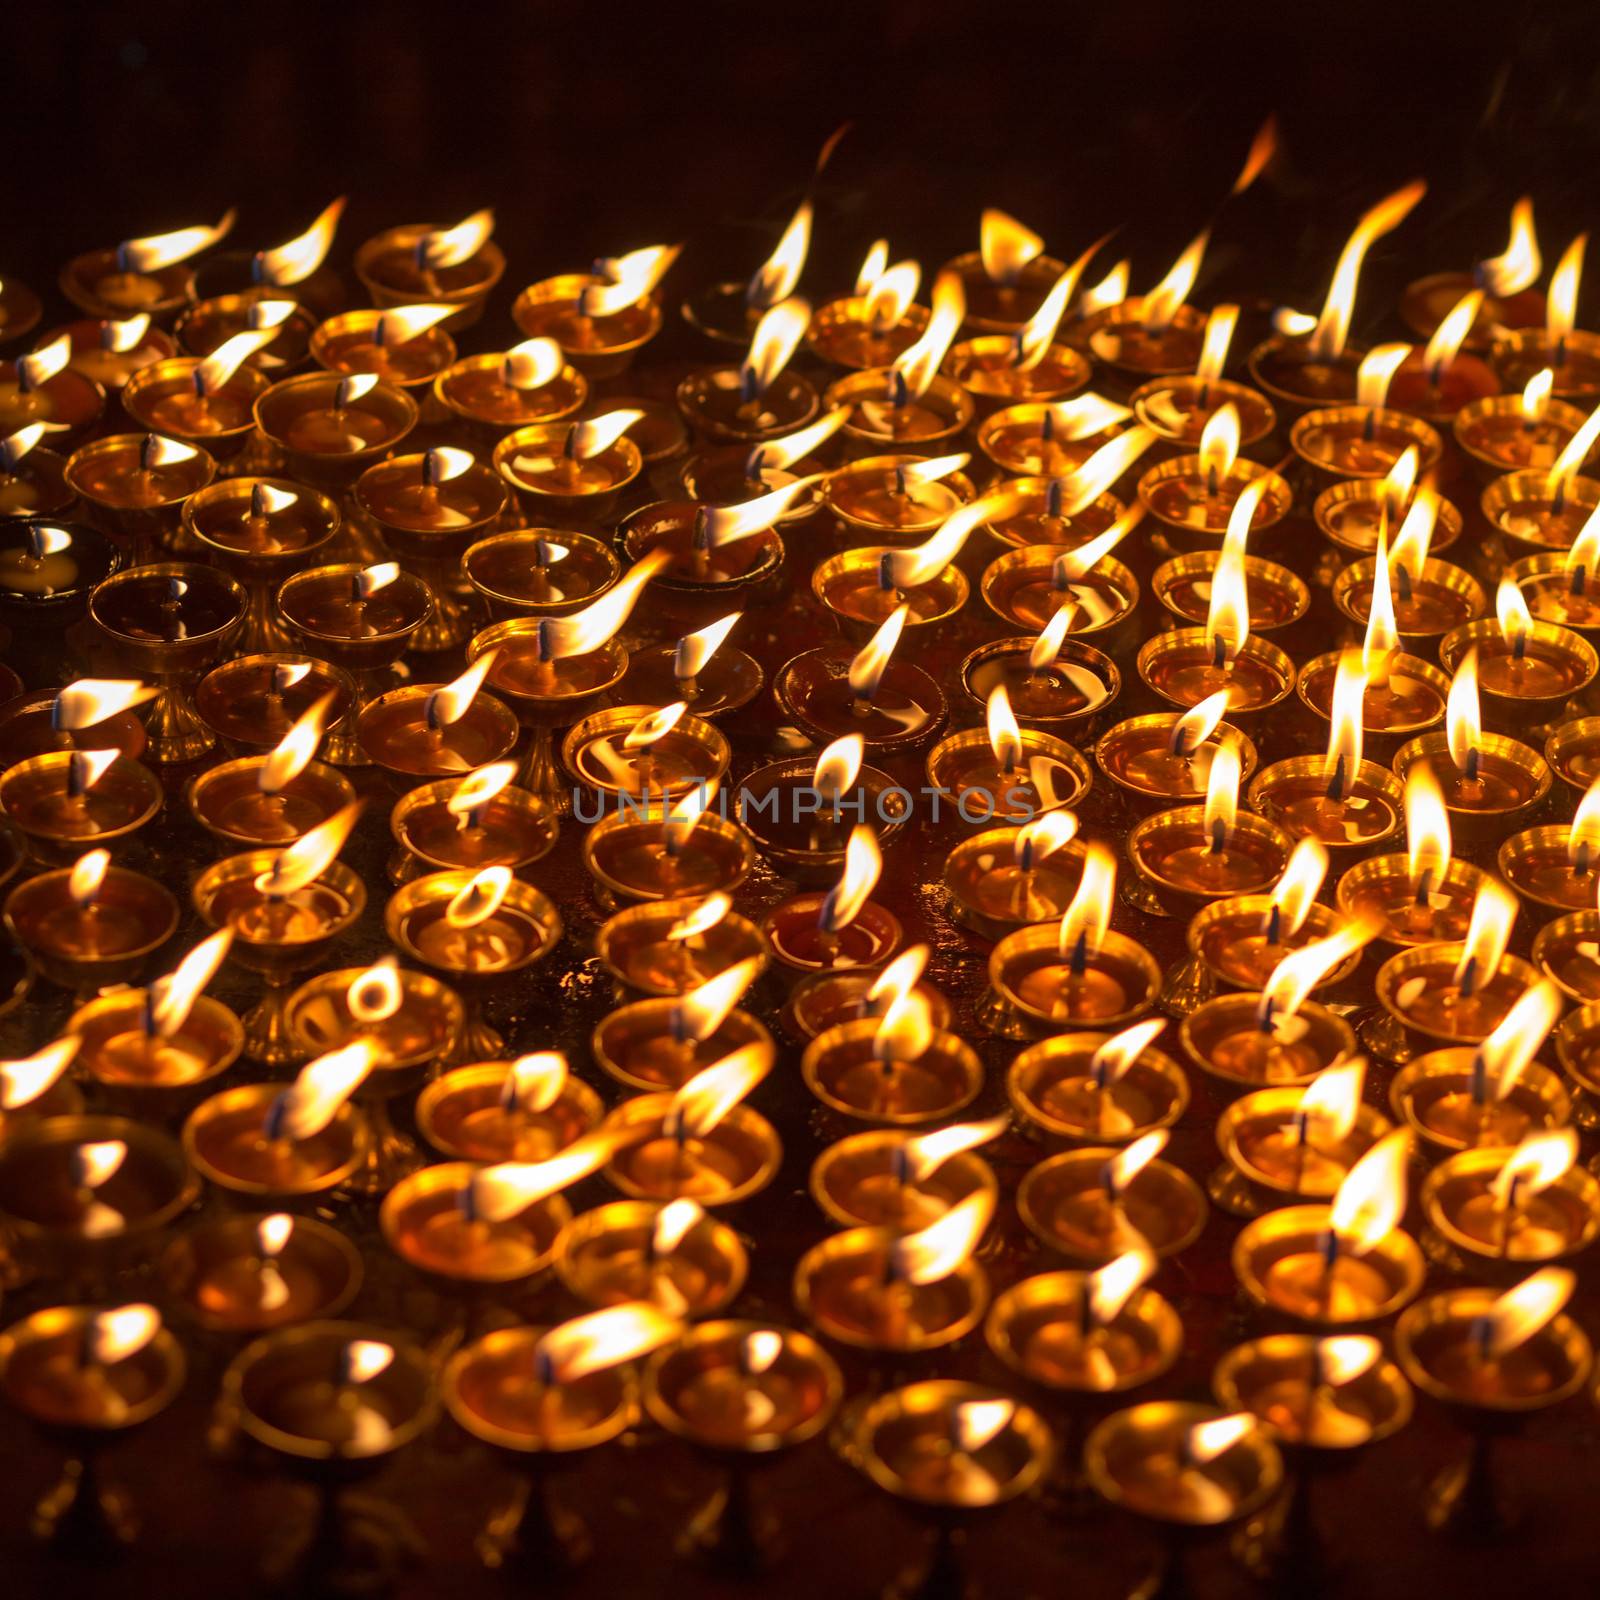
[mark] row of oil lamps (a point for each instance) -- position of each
(901, 1275)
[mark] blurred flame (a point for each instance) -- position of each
(43, 364)
(974, 1423)
(1034, 338)
(88, 873)
(171, 998)
(1118, 1053)
(775, 455)
(1005, 245)
(121, 335)
(1205, 1441)
(273, 1234)
(1327, 340)
(1219, 442)
(933, 1253)
(15, 446)
(1427, 827)
(1222, 792)
(696, 649)
(213, 373)
(633, 276)
(1463, 723)
(477, 789)
(479, 898)
(159, 250)
(1296, 891)
(891, 295)
(654, 726)
(1520, 265)
(160, 451)
(1162, 303)
(1299, 972)
(1345, 718)
(1410, 548)
(1084, 922)
(534, 1082)
(85, 768)
(309, 856)
(1583, 837)
(449, 247)
(501, 1191)
(838, 765)
(269, 314)
(1372, 1198)
(672, 1224)
(1228, 614)
(371, 579)
(1540, 1160)
(873, 266)
(25, 1078)
(1047, 646)
(1576, 450)
(1111, 1287)
(532, 364)
(704, 917)
(1005, 737)
(402, 324)
(362, 1360)
(1518, 1314)
(777, 336)
(116, 1335)
(595, 435)
(1262, 149)
(699, 1013)
(1111, 290)
(1561, 303)
(1504, 1056)
(313, 1100)
(1585, 551)
(1331, 1102)
(1129, 1162)
(924, 1154)
(1193, 727)
(863, 861)
(917, 364)
(1451, 334)
(1080, 489)
(898, 978)
(1382, 638)
(1511, 611)
(1082, 417)
(776, 277)
(717, 526)
(1344, 1358)
(352, 386)
(587, 630)
(95, 1164)
(759, 1350)
(872, 660)
(1494, 912)
(1536, 395)
(602, 1339)
(700, 1104)
(1376, 372)
(375, 993)
(908, 569)
(905, 1031)
(1214, 352)
(295, 261)
(293, 752)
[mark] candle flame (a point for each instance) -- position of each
(1163, 302)
(905, 1032)
(1296, 891)
(777, 336)
(1575, 451)
(375, 993)
(1129, 1162)
(313, 1100)
(776, 277)
(1222, 790)
(25, 1078)
(120, 335)
(1345, 717)
(838, 765)
(1411, 544)
(15, 446)
(602, 1339)
(717, 526)
(1585, 551)
(1219, 442)
(684, 814)
(1205, 1441)
(701, 1103)
(1262, 149)
(873, 266)
(304, 861)
(534, 1082)
(1080, 489)
(1005, 245)
(1463, 721)
(218, 367)
(268, 315)
(586, 630)
(890, 295)
(1371, 1199)
(449, 703)
(1082, 417)
(171, 998)
(495, 1193)
(1520, 265)
(95, 1164)
(532, 364)
(975, 1422)
(1427, 828)
(352, 386)
(449, 247)
(699, 1013)
(1345, 1357)
(909, 569)
(1583, 837)
(696, 649)
(293, 752)
(273, 1233)
(369, 580)
(159, 250)
(653, 727)
(477, 789)
(1505, 1055)
(1084, 923)
(1228, 614)
(1536, 395)
(758, 1351)
(295, 261)
(931, 1254)
(1561, 303)
(863, 861)
(362, 1360)
(1036, 335)
(88, 873)
(1299, 972)
(1331, 1102)
(114, 1336)
(672, 1225)
(924, 1154)
(899, 978)
(1114, 1057)
(776, 455)
(479, 898)
(1540, 1160)
(1111, 1287)
(1005, 737)
(1327, 340)
(1451, 334)
(1036, 841)
(1511, 611)
(160, 451)
(1111, 290)
(43, 364)
(1494, 912)
(87, 767)
(1518, 1314)
(633, 277)
(1193, 727)
(1214, 352)
(872, 660)
(917, 364)
(1376, 372)
(402, 324)
(703, 918)
(596, 435)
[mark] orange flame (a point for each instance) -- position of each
(309, 856)
(1162, 303)
(717, 526)
(1583, 837)
(171, 998)
(633, 276)
(602, 1339)
(42, 365)
(899, 978)
(1222, 792)
(1451, 334)
(1372, 1198)
(479, 898)
(1094, 477)
(532, 364)
(891, 295)
(85, 768)
(114, 1336)
(1073, 565)
(933, 1253)
(293, 752)
(1536, 396)
(1296, 891)
(1411, 544)
(1228, 614)
(1585, 551)
(1518, 1314)
(873, 266)
(587, 630)
(1494, 912)
(1005, 245)
(777, 336)
(477, 789)
(838, 765)
(371, 579)
(501, 1191)
(1540, 1160)
(1034, 338)
(295, 261)
(534, 1082)
(1262, 149)
(1520, 265)
(15, 447)
(702, 919)
(1005, 737)
(119, 336)
(1111, 290)
(96, 1164)
(1427, 828)
(776, 455)
(450, 702)
(917, 364)
(683, 816)
(1219, 443)
(696, 649)
(313, 1100)
(699, 1013)
(905, 1032)
(1344, 1358)
(273, 1234)
(1511, 611)
(1112, 1286)
(1576, 450)
(1561, 303)
(700, 1104)
(159, 250)
(375, 993)
(1047, 646)
(1082, 417)
(908, 569)
(88, 873)
(776, 277)
(1333, 326)
(449, 247)
(1084, 923)
(923, 1155)
(654, 726)
(1376, 372)
(1214, 352)
(402, 324)
(1463, 722)
(1129, 1162)
(974, 1423)
(872, 660)
(1504, 1056)
(1193, 727)
(1345, 720)
(1331, 1102)
(25, 1078)
(1112, 1059)
(213, 373)
(362, 1360)
(1299, 972)
(1205, 1441)
(863, 861)
(672, 1225)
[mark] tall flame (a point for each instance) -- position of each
(672, 1225)
(1504, 1056)
(1299, 972)
(696, 649)
(931, 1254)
(1228, 614)
(1193, 727)
(1219, 443)
(1463, 721)
(891, 295)
(1518, 1314)
(1494, 912)
(1262, 149)
(1376, 372)
(1331, 1102)
(295, 261)
(1427, 829)
(1519, 266)
(1037, 840)
(1035, 336)
(311, 855)
(1540, 1160)
(863, 861)
(1583, 837)
(159, 250)
(313, 1100)
(1536, 395)
(172, 998)
(1345, 721)
(88, 873)
(1410, 548)
(1130, 1161)
(899, 978)
(872, 660)
(1084, 923)
(1296, 891)
(917, 364)
(1162, 303)
(776, 277)
(1222, 793)
(1561, 303)
(1111, 290)
(1005, 245)
(699, 1013)
(1451, 334)
(1005, 737)
(700, 1104)
(1372, 1198)
(586, 630)
(1333, 326)
(1095, 476)
(293, 752)
(777, 336)
(1214, 351)
(838, 765)
(1117, 1054)
(905, 1031)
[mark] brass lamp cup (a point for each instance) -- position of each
(1274, 789)
(1433, 1095)
(1020, 440)
(1153, 732)
(747, 1145)
(1268, 846)
(462, 1115)
(1536, 864)
(842, 582)
(174, 729)
(995, 306)
(950, 761)
(1484, 826)
(146, 391)
(1263, 659)
(1324, 1038)
(714, 408)
(1064, 1203)
(1225, 938)
(204, 1045)
(1496, 435)
(196, 1267)
(875, 798)
(31, 904)
(1546, 641)
(1040, 894)
(605, 1257)
(307, 800)
(127, 788)
(1277, 597)
(698, 586)
(1050, 1081)
(813, 690)
(1170, 488)
(147, 528)
(1560, 953)
(426, 1209)
(346, 344)
(930, 423)
(1036, 1328)
(1018, 587)
(224, 1141)
(1250, 1376)
(1519, 353)
(599, 347)
(627, 856)
(1032, 524)
(1573, 753)
(1577, 1047)
(590, 496)
(1271, 1110)
(794, 936)
(511, 583)
(240, 702)
(386, 266)
(843, 333)
(1541, 577)
(45, 1236)
(1178, 406)
(822, 1000)
(857, 1183)
(96, 283)
(1380, 887)
(1348, 515)
(474, 391)
(1425, 685)
(703, 747)
(389, 413)
(1569, 1215)
(1520, 508)
(986, 666)
(1385, 433)
(1029, 949)
(1395, 1262)
(636, 1044)
(1299, 380)
(636, 948)
(1512, 976)
(488, 728)
(834, 1289)
(985, 367)
(867, 501)
(1454, 591)
(413, 823)
(1120, 338)
(837, 1064)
